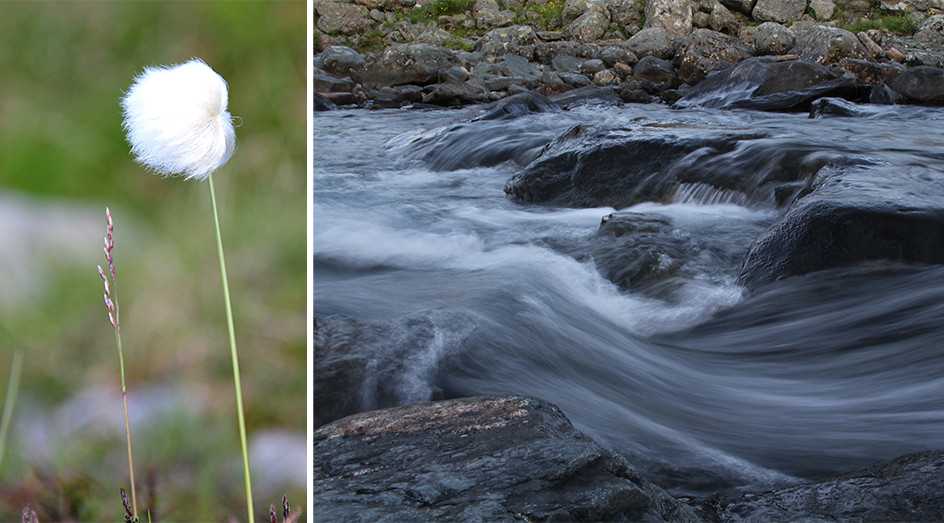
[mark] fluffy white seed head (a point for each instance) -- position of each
(176, 120)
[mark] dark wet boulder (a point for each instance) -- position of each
(590, 167)
(322, 103)
(882, 94)
(637, 96)
(825, 107)
(591, 94)
(754, 78)
(519, 105)
(487, 458)
(345, 98)
(856, 212)
(656, 71)
(400, 64)
(907, 488)
(802, 99)
(921, 85)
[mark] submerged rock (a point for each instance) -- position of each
(590, 94)
(802, 99)
(765, 84)
(519, 105)
(487, 458)
(907, 488)
(589, 167)
(486, 141)
(855, 213)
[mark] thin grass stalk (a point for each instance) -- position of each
(13, 388)
(232, 346)
(114, 316)
(124, 399)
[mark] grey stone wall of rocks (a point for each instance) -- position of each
(498, 49)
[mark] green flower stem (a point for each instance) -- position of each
(124, 398)
(232, 346)
(13, 388)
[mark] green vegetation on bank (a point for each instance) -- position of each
(439, 8)
(885, 21)
(551, 13)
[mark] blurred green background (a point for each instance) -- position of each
(63, 157)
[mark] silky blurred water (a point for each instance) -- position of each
(453, 290)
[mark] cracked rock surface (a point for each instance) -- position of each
(486, 458)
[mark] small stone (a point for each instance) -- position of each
(822, 9)
(895, 55)
(873, 48)
(623, 70)
(592, 67)
(606, 77)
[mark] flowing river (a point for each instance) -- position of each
(452, 289)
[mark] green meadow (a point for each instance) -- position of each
(63, 158)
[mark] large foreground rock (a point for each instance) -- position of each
(487, 458)
(907, 488)
(856, 212)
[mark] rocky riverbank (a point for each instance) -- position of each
(633, 51)
(514, 458)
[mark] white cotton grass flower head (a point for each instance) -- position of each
(176, 120)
